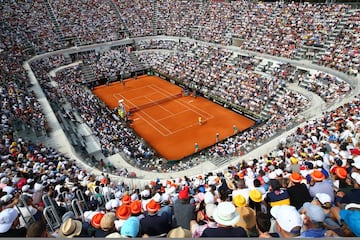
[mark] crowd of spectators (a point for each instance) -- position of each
(279, 29)
(29, 23)
(109, 64)
(328, 87)
(116, 137)
(211, 70)
(308, 186)
(89, 21)
(178, 18)
(343, 52)
(156, 44)
(138, 16)
(287, 27)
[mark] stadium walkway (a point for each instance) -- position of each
(59, 140)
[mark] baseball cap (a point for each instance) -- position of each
(314, 212)
(130, 227)
(287, 217)
(323, 198)
(356, 177)
(7, 217)
(352, 219)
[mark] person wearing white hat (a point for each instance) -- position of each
(9, 220)
(288, 220)
(226, 217)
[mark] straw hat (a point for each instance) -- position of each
(179, 232)
(225, 213)
(70, 228)
(107, 221)
(228, 176)
(247, 217)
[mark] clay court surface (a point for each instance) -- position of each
(172, 127)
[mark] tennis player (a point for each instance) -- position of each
(235, 129)
(200, 121)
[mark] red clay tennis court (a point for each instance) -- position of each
(169, 121)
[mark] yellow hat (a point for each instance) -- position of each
(294, 160)
(255, 195)
(239, 200)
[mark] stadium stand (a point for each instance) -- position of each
(310, 112)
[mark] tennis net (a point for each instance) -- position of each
(153, 103)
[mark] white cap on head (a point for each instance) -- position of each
(287, 217)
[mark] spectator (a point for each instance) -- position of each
(247, 220)
(298, 191)
(288, 221)
(153, 224)
(9, 220)
(70, 228)
(37, 230)
(354, 195)
(324, 201)
(349, 219)
(318, 185)
(226, 217)
(256, 201)
(276, 195)
(263, 224)
(313, 221)
(131, 228)
(196, 228)
(184, 211)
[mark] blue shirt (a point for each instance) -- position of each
(313, 233)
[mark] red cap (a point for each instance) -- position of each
(184, 194)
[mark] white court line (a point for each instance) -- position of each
(158, 130)
(146, 89)
(177, 113)
(191, 106)
(187, 107)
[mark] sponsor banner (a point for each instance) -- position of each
(251, 117)
(218, 102)
(237, 110)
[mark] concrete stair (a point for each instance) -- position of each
(88, 73)
(154, 19)
(135, 60)
(334, 34)
(118, 13)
